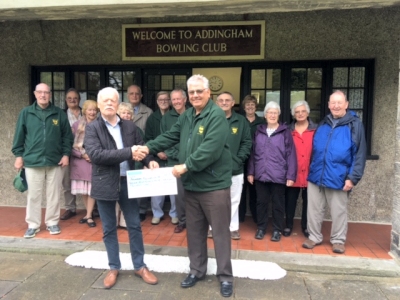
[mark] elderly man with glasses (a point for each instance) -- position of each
(42, 145)
(206, 170)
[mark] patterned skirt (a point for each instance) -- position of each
(80, 187)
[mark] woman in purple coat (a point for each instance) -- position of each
(272, 166)
(81, 167)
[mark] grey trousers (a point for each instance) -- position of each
(203, 209)
(69, 199)
(180, 203)
(337, 200)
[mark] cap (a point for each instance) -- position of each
(20, 181)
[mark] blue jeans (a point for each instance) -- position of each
(130, 209)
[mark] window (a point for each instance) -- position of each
(121, 80)
(266, 86)
(288, 82)
(56, 82)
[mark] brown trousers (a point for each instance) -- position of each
(204, 209)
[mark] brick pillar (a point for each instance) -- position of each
(395, 235)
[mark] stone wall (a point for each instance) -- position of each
(319, 35)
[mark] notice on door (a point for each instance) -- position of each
(148, 183)
(194, 41)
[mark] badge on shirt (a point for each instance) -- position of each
(201, 129)
(55, 122)
(234, 130)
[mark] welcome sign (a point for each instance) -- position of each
(194, 41)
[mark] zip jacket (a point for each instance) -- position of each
(42, 136)
(273, 158)
(339, 152)
(303, 144)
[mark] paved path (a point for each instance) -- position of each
(35, 269)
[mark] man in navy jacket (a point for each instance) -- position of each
(337, 165)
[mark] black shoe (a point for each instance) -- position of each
(68, 214)
(142, 217)
(83, 220)
(287, 232)
(226, 288)
(306, 233)
(260, 234)
(190, 281)
(276, 236)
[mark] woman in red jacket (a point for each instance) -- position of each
(302, 131)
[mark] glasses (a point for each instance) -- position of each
(300, 112)
(198, 92)
(42, 92)
(72, 99)
(163, 100)
(224, 100)
(272, 113)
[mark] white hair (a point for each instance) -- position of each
(105, 91)
(300, 103)
(195, 78)
(272, 105)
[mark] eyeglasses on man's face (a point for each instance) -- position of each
(198, 92)
(42, 92)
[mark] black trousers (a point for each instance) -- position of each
(252, 201)
(270, 192)
(292, 194)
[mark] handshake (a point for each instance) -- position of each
(139, 152)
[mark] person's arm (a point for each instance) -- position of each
(359, 153)
(291, 157)
(172, 152)
(67, 138)
(18, 146)
(166, 140)
(245, 143)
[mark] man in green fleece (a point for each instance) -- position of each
(178, 100)
(239, 141)
(42, 145)
(206, 170)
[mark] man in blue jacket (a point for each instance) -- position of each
(337, 165)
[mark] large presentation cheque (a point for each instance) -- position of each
(148, 183)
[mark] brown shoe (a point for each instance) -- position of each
(309, 244)
(68, 214)
(338, 248)
(179, 228)
(110, 279)
(146, 275)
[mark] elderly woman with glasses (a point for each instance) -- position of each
(272, 166)
(303, 130)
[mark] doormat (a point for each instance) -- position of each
(260, 270)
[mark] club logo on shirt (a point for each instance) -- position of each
(234, 130)
(55, 122)
(201, 129)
